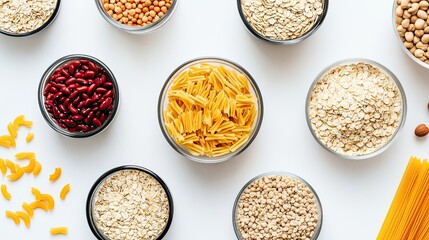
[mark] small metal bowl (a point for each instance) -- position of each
(163, 101)
(134, 29)
(398, 38)
(95, 188)
(48, 22)
(403, 107)
(286, 42)
(276, 173)
(41, 99)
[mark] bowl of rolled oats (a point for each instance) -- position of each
(282, 21)
(25, 18)
(277, 205)
(356, 108)
(129, 203)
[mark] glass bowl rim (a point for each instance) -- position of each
(163, 96)
(401, 91)
(111, 172)
(317, 229)
(41, 99)
(306, 35)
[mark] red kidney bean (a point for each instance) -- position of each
(89, 74)
(103, 118)
(74, 95)
(108, 85)
(73, 110)
(82, 89)
(82, 81)
(100, 90)
(65, 73)
(77, 118)
(72, 69)
(106, 104)
(70, 81)
(79, 75)
(69, 123)
(60, 79)
(79, 96)
(65, 90)
(75, 63)
(83, 128)
(96, 122)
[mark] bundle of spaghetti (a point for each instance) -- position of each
(408, 216)
(211, 110)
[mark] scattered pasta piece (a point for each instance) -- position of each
(27, 124)
(64, 191)
(36, 193)
(25, 155)
(18, 120)
(37, 168)
(28, 209)
(48, 199)
(13, 216)
(17, 175)
(3, 167)
(11, 166)
(59, 230)
(5, 193)
(5, 141)
(29, 137)
(39, 204)
(12, 130)
(54, 176)
(30, 167)
(24, 218)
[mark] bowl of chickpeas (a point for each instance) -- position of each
(136, 16)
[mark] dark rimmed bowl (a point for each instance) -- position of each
(45, 78)
(289, 41)
(50, 20)
(98, 183)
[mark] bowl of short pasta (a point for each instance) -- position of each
(210, 109)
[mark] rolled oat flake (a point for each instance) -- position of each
(23, 16)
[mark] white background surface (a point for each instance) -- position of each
(355, 194)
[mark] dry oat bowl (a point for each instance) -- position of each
(277, 205)
(25, 18)
(282, 21)
(129, 203)
(355, 108)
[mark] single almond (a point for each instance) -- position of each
(421, 130)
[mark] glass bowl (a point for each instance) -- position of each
(46, 78)
(95, 188)
(286, 42)
(163, 101)
(277, 173)
(403, 107)
(398, 38)
(48, 22)
(133, 29)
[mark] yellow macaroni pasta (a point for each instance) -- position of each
(54, 176)
(5, 193)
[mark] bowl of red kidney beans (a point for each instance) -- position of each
(78, 96)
